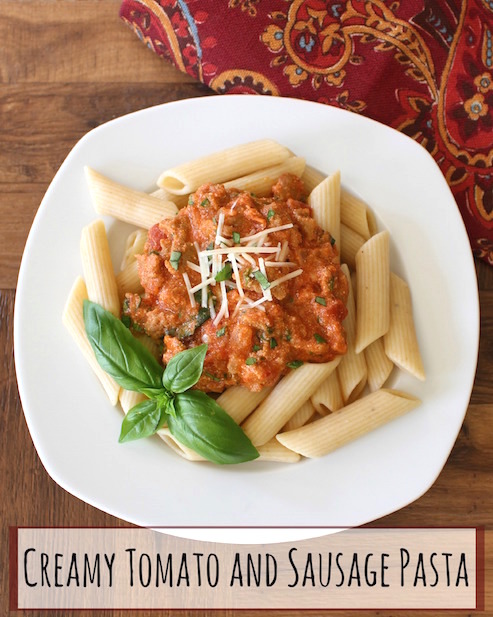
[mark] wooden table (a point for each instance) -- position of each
(67, 66)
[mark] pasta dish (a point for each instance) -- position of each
(254, 276)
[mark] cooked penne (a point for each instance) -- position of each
(328, 396)
(378, 364)
(128, 280)
(130, 398)
(73, 319)
(401, 343)
(351, 242)
(125, 204)
(134, 245)
(179, 200)
(177, 447)
(372, 296)
(285, 399)
(301, 417)
(260, 182)
(357, 215)
(339, 428)
(223, 166)
(311, 177)
(239, 402)
(352, 370)
(98, 268)
(325, 201)
(275, 452)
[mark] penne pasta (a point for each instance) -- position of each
(239, 402)
(179, 200)
(372, 297)
(98, 268)
(223, 166)
(260, 182)
(325, 201)
(356, 215)
(339, 428)
(130, 398)
(179, 448)
(134, 245)
(285, 399)
(378, 364)
(128, 280)
(311, 177)
(352, 371)
(351, 242)
(125, 204)
(328, 396)
(304, 414)
(275, 452)
(401, 343)
(73, 319)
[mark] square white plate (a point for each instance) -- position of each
(75, 430)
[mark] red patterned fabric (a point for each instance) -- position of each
(424, 67)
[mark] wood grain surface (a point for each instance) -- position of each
(66, 66)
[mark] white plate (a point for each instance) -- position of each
(75, 430)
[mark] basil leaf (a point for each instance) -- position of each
(141, 421)
(203, 426)
(184, 370)
(120, 354)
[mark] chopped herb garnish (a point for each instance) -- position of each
(270, 214)
(236, 237)
(211, 376)
(221, 332)
(154, 253)
(288, 335)
(225, 273)
(250, 361)
(174, 260)
(257, 348)
(332, 241)
(205, 202)
(190, 200)
(273, 343)
(320, 339)
(321, 300)
(295, 364)
(262, 279)
(210, 246)
(203, 315)
(198, 295)
(331, 284)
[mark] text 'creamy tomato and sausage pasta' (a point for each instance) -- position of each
(285, 278)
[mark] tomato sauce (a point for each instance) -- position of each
(248, 346)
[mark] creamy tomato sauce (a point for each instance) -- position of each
(296, 320)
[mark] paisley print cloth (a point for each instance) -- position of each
(424, 67)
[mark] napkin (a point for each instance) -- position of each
(423, 67)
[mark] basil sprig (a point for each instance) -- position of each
(193, 418)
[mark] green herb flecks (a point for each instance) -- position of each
(321, 300)
(205, 202)
(193, 418)
(174, 259)
(225, 273)
(262, 279)
(270, 214)
(295, 364)
(320, 339)
(250, 361)
(273, 343)
(236, 237)
(221, 331)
